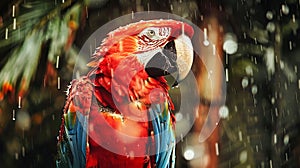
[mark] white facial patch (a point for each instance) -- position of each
(145, 57)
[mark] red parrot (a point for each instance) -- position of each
(120, 113)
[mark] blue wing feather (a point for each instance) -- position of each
(73, 153)
(163, 135)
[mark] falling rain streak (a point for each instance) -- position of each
(13, 10)
(58, 83)
(205, 42)
(217, 148)
(57, 62)
(290, 45)
(23, 151)
(240, 136)
(13, 115)
(214, 49)
(182, 28)
(15, 24)
(226, 75)
(87, 12)
(293, 18)
(275, 138)
(6, 33)
(132, 15)
(19, 102)
(148, 7)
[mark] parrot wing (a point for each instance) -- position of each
(163, 135)
(73, 135)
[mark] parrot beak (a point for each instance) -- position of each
(185, 54)
(176, 59)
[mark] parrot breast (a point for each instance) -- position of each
(119, 136)
(122, 79)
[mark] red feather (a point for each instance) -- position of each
(122, 84)
(111, 78)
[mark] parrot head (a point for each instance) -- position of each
(162, 47)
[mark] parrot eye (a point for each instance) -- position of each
(151, 33)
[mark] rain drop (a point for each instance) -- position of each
(285, 9)
(131, 154)
(223, 112)
(293, 18)
(235, 109)
(178, 116)
(58, 83)
(205, 42)
(230, 45)
(243, 156)
(87, 12)
(13, 115)
(271, 27)
(15, 24)
(249, 70)
(269, 15)
(240, 136)
(6, 33)
(290, 45)
(189, 154)
(23, 151)
(217, 148)
(214, 49)
(245, 82)
(281, 64)
(16, 156)
(254, 89)
(273, 100)
(226, 75)
(57, 61)
(23, 120)
(19, 102)
(275, 138)
(13, 11)
(286, 139)
(201, 17)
